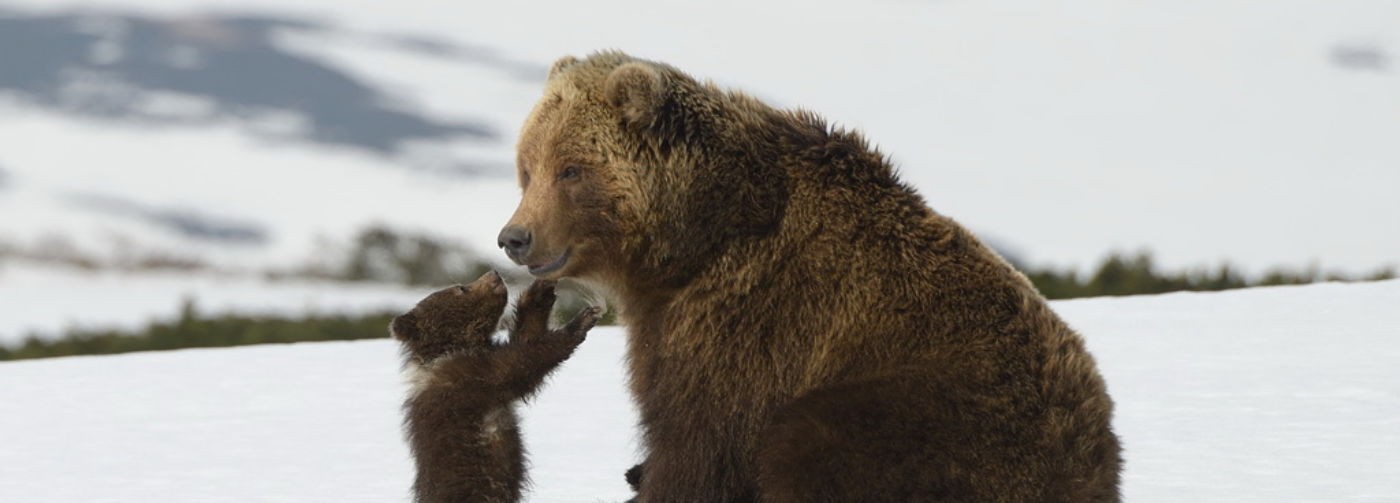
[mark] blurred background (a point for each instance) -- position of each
(180, 173)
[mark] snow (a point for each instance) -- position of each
(1270, 394)
(1204, 131)
(47, 301)
(277, 423)
(302, 196)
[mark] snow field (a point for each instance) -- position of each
(1261, 395)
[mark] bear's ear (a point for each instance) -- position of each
(404, 327)
(559, 66)
(637, 90)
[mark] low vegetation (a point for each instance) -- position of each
(193, 330)
(383, 255)
(1137, 274)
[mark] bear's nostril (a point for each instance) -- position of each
(515, 240)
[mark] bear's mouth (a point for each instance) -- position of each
(552, 266)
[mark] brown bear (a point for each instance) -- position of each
(459, 417)
(801, 325)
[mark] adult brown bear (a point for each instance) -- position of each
(802, 327)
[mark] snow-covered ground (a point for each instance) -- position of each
(1272, 394)
(1255, 131)
(1267, 394)
(278, 423)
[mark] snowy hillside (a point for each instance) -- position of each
(1278, 394)
(47, 301)
(243, 131)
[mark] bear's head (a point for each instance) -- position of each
(636, 176)
(454, 319)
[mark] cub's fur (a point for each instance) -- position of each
(459, 416)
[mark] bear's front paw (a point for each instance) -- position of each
(577, 329)
(532, 311)
(538, 298)
(634, 477)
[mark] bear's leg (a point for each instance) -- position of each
(908, 438)
(522, 365)
(532, 311)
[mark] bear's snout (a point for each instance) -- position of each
(515, 240)
(491, 281)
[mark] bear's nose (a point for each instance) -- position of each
(516, 242)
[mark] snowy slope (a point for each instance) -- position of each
(294, 423)
(1278, 394)
(1258, 131)
(1268, 394)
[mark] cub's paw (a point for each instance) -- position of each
(538, 299)
(634, 477)
(532, 311)
(577, 329)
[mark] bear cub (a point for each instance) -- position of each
(459, 417)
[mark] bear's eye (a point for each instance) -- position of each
(569, 173)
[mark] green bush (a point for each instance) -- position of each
(1121, 274)
(192, 330)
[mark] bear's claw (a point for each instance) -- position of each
(540, 295)
(578, 328)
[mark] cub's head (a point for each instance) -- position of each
(632, 171)
(457, 318)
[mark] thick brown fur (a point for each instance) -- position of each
(802, 326)
(459, 417)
